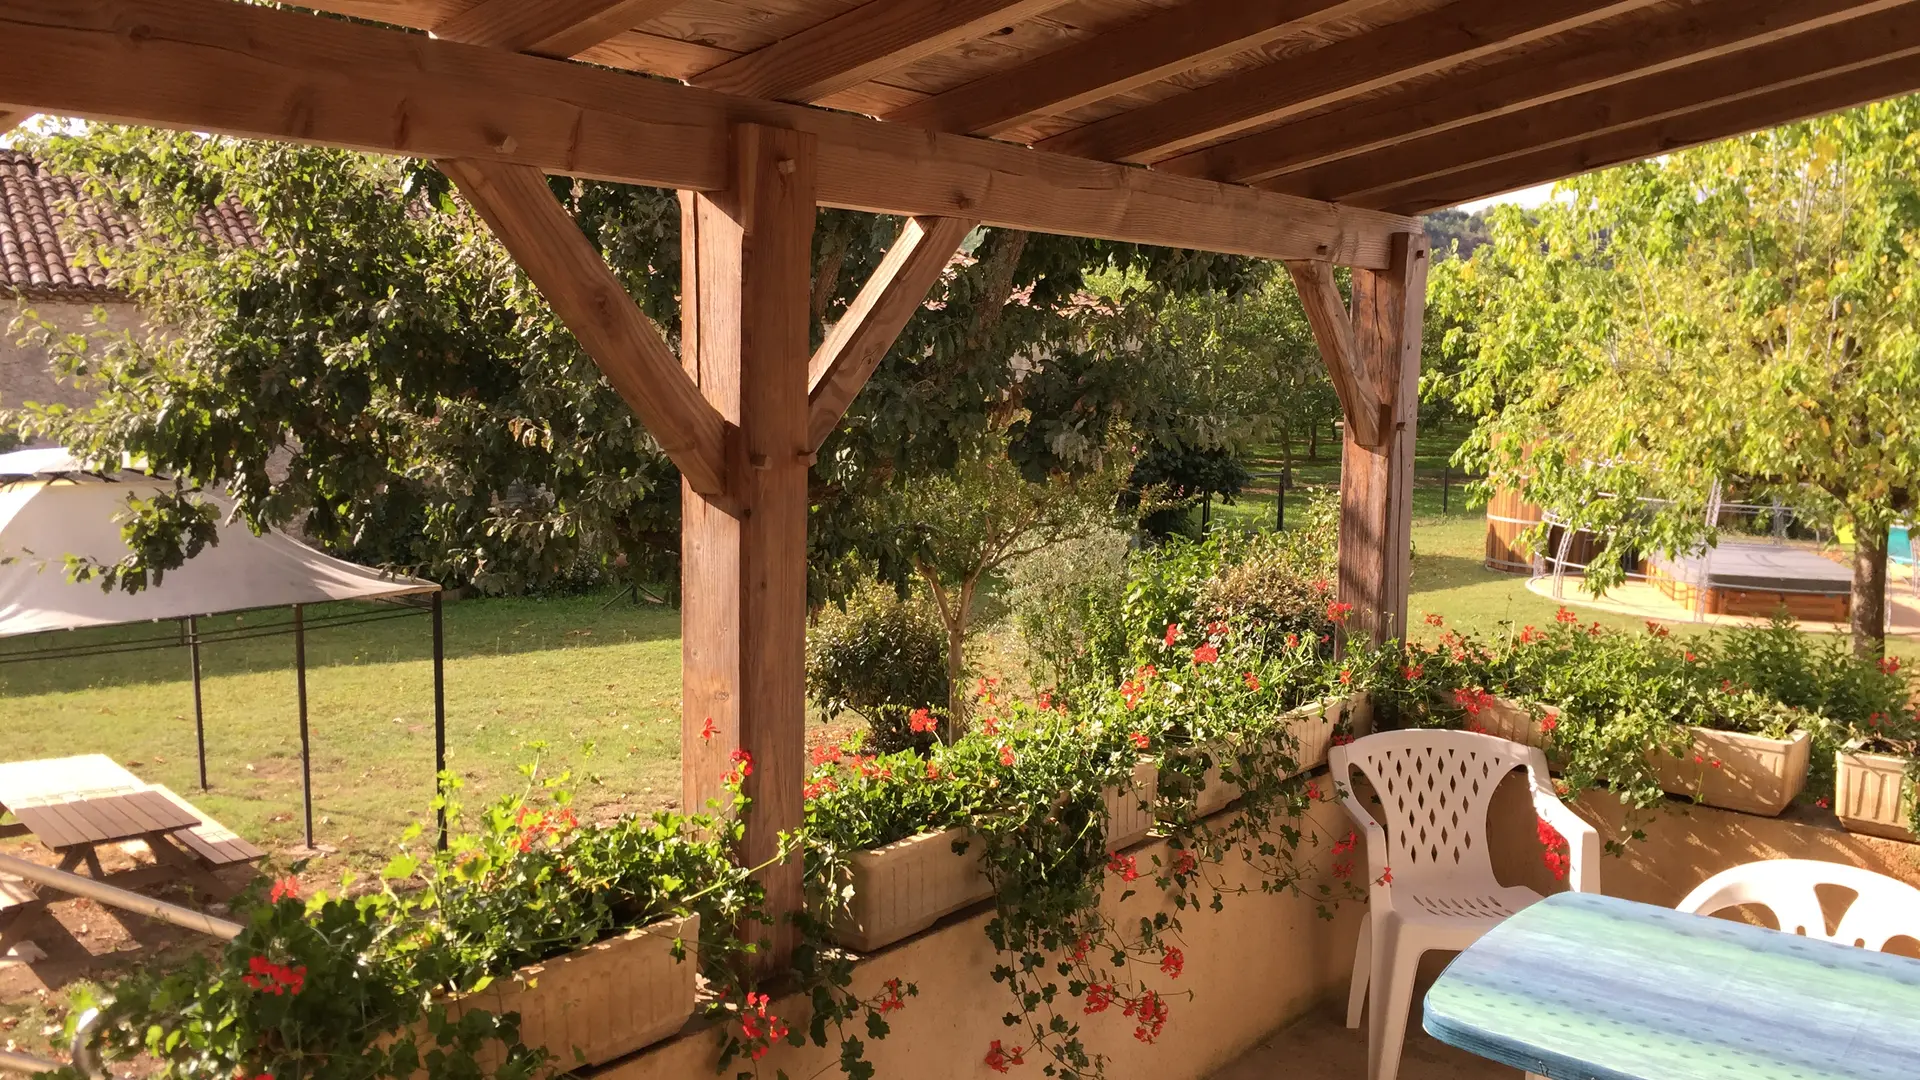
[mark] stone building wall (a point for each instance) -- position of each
(26, 373)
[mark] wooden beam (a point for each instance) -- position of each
(1148, 50)
(556, 28)
(1635, 48)
(1333, 330)
(567, 269)
(1791, 62)
(1797, 102)
(862, 44)
(1450, 35)
(12, 117)
(239, 69)
(1376, 482)
(746, 264)
(860, 340)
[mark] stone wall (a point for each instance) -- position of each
(25, 372)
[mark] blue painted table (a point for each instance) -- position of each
(1587, 987)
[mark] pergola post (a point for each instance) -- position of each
(1373, 354)
(747, 261)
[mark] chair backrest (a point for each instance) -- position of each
(1882, 908)
(1434, 788)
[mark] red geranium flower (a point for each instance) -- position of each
(1006, 755)
(1140, 740)
(999, 1059)
(1125, 866)
(921, 720)
(1252, 680)
(1206, 654)
(1337, 612)
(709, 731)
(1173, 634)
(287, 888)
(1172, 962)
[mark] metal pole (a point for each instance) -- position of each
(112, 896)
(306, 746)
(439, 713)
(1206, 512)
(199, 713)
(1280, 502)
(1446, 484)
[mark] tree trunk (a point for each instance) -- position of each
(957, 660)
(1313, 439)
(1869, 601)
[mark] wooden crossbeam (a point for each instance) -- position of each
(1449, 35)
(239, 69)
(1791, 62)
(859, 341)
(556, 28)
(1333, 331)
(12, 117)
(1842, 91)
(521, 210)
(1636, 48)
(862, 44)
(1148, 50)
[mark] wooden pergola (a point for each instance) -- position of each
(1300, 130)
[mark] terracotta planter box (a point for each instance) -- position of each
(1757, 775)
(1130, 809)
(598, 1003)
(1312, 726)
(1872, 794)
(909, 885)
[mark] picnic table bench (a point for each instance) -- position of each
(75, 804)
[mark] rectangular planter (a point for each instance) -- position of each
(907, 886)
(598, 1003)
(1312, 726)
(1130, 808)
(1757, 775)
(1510, 719)
(1872, 795)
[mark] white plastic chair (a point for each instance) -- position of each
(1434, 788)
(1882, 908)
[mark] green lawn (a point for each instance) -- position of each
(567, 671)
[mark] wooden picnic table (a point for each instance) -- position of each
(1587, 987)
(75, 804)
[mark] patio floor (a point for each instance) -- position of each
(1320, 1047)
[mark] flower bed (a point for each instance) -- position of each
(1874, 794)
(595, 1004)
(1736, 771)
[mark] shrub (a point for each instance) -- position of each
(1066, 598)
(882, 656)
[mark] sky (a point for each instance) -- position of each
(1532, 196)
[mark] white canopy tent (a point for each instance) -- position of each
(51, 508)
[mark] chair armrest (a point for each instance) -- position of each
(1375, 836)
(1583, 840)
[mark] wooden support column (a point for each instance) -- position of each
(747, 259)
(1373, 354)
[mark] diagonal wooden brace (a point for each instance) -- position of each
(1361, 397)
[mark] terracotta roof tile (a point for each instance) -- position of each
(36, 259)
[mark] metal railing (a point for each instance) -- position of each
(82, 1058)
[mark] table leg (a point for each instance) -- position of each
(204, 881)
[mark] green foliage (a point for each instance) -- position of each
(1059, 597)
(165, 530)
(1743, 312)
(881, 655)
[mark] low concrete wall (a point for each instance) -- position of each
(1263, 962)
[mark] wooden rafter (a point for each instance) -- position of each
(521, 210)
(1176, 39)
(1791, 62)
(1427, 43)
(1871, 83)
(216, 65)
(556, 28)
(866, 42)
(859, 341)
(1333, 330)
(12, 117)
(1635, 48)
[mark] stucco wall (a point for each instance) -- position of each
(25, 374)
(1265, 961)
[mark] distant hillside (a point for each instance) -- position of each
(1447, 229)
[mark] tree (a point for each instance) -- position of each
(431, 413)
(1746, 312)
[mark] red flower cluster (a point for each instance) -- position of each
(933, 771)
(1343, 870)
(1099, 999)
(1434, 619)
(1413, 671)
(1172, 962)
(276, 979)
(1206, 654)
(1889, 665)
(1472, 700)
(1313, 791)
(1558, 855)
(1346, 843)
(1346, 677)
(1125, 866)
(287, 888)
(1140, 740)
(1528, 635)
(1252, 680)
(819, 787)
(742, 768)
(1080, 947)
(1548, 723)
(823, 755)
(1184, 864)
(1565, 616)
(1131, 691)
(921, 720)
(1216, 629)
(1656, 629)
(1006, 755)
(538, 825)
(1337, 612)
(890, 1000)
(1151, 1013)
(709, 731)
(1386, 876)
(999, 1059)
(1173, 634)
(991, 725)
(1341, 739)
(760, 1027)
